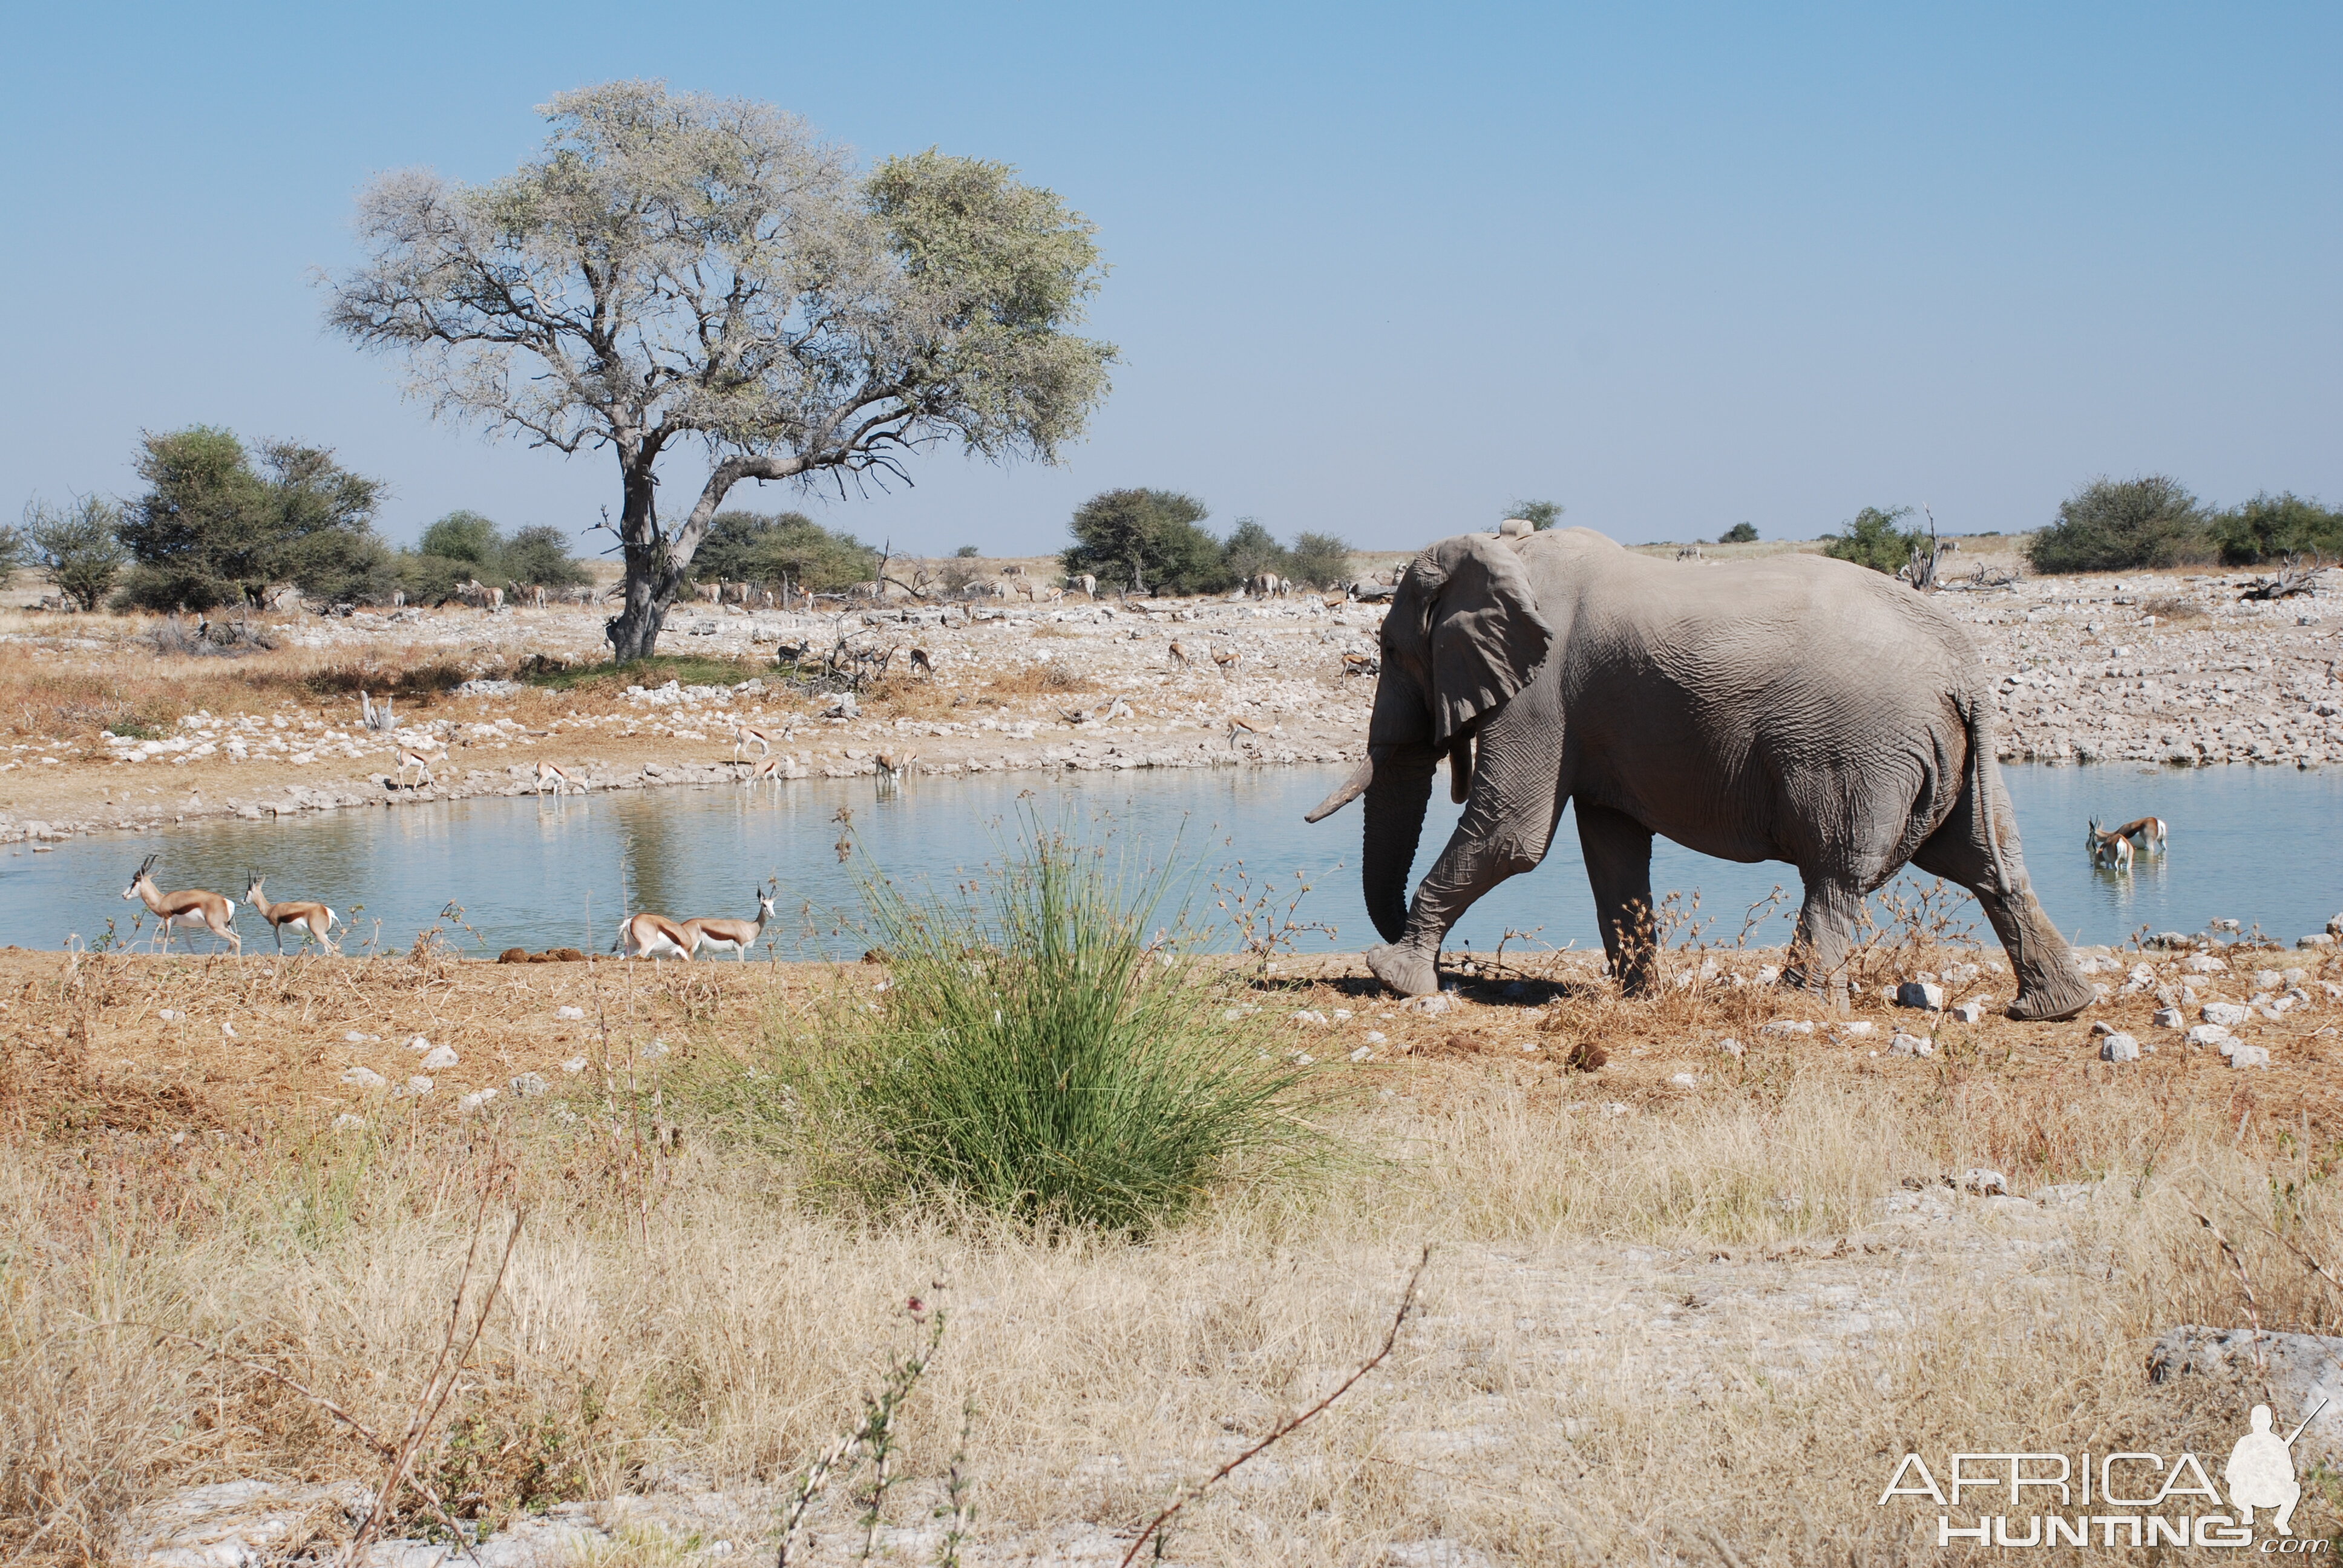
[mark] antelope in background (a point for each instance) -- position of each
(314, 919)
(2109, 851)
(414, 758)
(738, 936)
(1178, 655)
(2147, 832)
(650, 936)
(191, 907)
(893, 768)
(548, 777)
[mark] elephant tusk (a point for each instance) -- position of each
(1350, 789)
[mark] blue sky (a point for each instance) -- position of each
(1377, 270)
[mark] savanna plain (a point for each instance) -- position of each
(1677, 1280)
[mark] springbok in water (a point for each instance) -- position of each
(650, 936)
(2109, 850)
(313, 919)
(734, 936)
(190, 908)
(2147, 832)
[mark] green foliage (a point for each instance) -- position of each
(611, 679)
(1872, 540)
(752, 547)
(2270, 527)
(466, 537)
(967, 552)
(16, 547)
(1739, 534)
(539, 557)
(1321, 561)
(465, 546)
(2116, 524)
(1037, 1058)
(1251, 549)
(212, 530)
(1537, 514)
(1147, 537)
(77, 548)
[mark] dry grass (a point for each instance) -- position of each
(673, 1308)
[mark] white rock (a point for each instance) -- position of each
(346, 1122)
(1981, 1179)
(1911, 1045)
(1731, 1047)
(364, 1077)
(574, 1066)
(416, 1042)
(2228, 1014)
(2204, 964)
(2169, 1017)
(1435, 1552)
(1438, 1002)
(1863, 1029)
(1786, 1026)
(1308, 1015)
(2101, 1027)
(2268, 979)
(413, 1087)
(354, 1037)
(169, 1015)
(2141, 974)
(654, 1051)
(569, 1014)
(1362, 1053)
(1969, 1013)
(1376, 1037)
(1924, 994)
(1769, 975)
(2206, 1034)
(1614, 1108)
(528, 1085)
(2119, 1048)
(477, 1098)
(437, 1057)
(1684, 1081)
(2244, 1055)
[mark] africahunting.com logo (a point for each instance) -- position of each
(2117, 1498)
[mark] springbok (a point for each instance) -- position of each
(1361, 664)
(313, 919)
(190, 908)
(893, 767)
(922, 664)
(1178, 655)
(1088, 583)
(1228, 658)
(735, 936)
(2147, 832)
(747, 735)
(649, 935)
(774, 766)
(556, 779)
(2109, 851)
(1243, 727)
(414, 758)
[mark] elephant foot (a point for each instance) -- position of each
(1403, 969)
(2052, 999)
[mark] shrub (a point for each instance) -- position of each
(753, 548)
(77, 548)
(2270, 527)
(2118, 525)
(1321, 561)
(1870, 538)
(464, 546)
(967, 552)
(1251, 549)
(212, 530)
(1149, 538)
(1537, 514)
(1739, 534)
(1037, 1058)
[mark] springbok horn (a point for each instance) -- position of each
(1350, 789)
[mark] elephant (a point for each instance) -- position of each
(1790, 708)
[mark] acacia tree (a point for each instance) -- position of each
(678, 270)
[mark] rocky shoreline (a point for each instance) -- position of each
(2158, 669)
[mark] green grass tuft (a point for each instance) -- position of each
(1036, 1057)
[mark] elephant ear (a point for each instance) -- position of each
(1480, 616)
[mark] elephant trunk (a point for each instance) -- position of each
(1397, 797)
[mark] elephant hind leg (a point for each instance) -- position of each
(1618, 850)
(2049, 985)
(1826, 934)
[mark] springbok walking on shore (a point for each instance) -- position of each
(650, 936)
(734, 936)
(313, 919)
(189, 909)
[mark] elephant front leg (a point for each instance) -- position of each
(1479, 855)
(1618, 850)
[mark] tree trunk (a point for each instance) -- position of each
(651, 577)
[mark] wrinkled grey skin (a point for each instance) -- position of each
(1789, 709)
